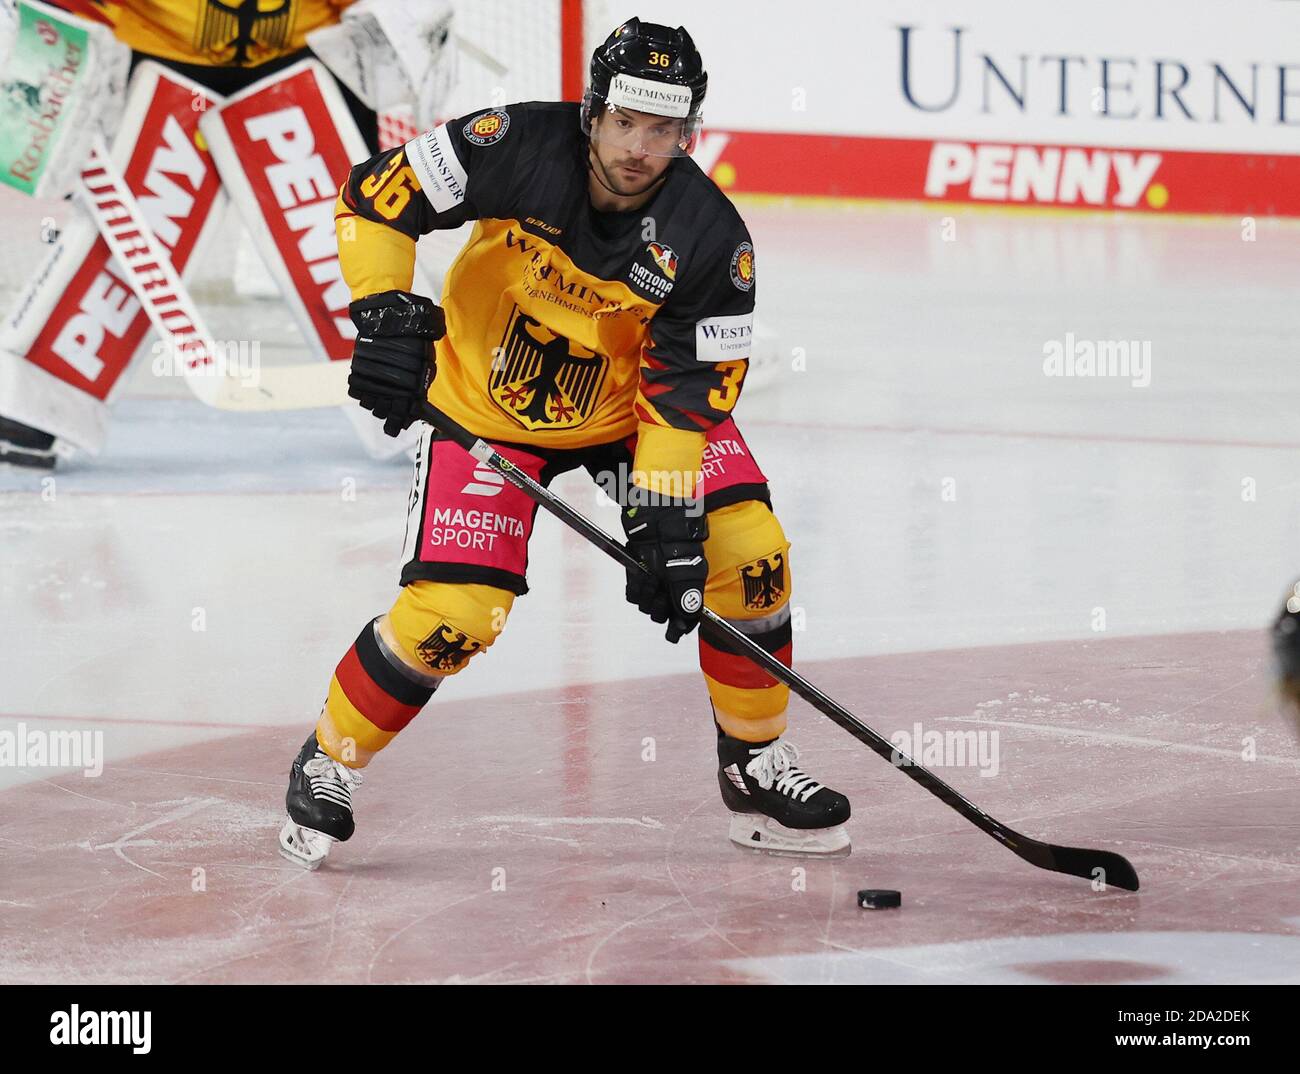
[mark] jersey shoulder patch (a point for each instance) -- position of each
(487, 128)
(442, 176)
(742, 266)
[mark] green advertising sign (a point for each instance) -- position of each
(49, 56)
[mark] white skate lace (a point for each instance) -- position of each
(331, 780)
(774, 765)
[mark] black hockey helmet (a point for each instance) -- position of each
(646, 67)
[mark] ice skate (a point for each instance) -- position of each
(21, 445)
(319, 802)
(777, 807)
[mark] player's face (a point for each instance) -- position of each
(634, 148)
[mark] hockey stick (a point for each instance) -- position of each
(147, 269)
(1101, 866)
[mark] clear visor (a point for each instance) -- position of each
(639, 133)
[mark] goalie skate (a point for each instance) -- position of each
(22, 445)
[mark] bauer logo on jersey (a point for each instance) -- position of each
(724, 339)
(488, 128)
(446, 648)
(542, 380)
(742, 266)
(763, 582)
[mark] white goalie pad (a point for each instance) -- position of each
(62, 80)
(283, 146)
(76, 327)
(395, 55)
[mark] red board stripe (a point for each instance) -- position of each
(1182, 181)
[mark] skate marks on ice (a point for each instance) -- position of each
(641, 822)
(182, 810)
(524, 838)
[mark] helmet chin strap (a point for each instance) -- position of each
(593, 160)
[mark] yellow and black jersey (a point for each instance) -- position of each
(219, 33)
(566, 326)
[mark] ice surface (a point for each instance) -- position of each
(941, 494)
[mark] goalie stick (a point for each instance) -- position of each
(1103, 866)
(147, 270)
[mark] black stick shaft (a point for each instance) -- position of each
(1047, 856)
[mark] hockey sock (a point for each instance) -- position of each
(372, 696)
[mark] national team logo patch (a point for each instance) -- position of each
(665, 257)
(655, 271)
(543, 380)
(242, 33)
(488, 128)
(447, 649)
(742, 266)
(763, 582)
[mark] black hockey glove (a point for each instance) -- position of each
(669, 541)
(393, 357)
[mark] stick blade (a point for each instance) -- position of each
(1111, 869)
(308, 386)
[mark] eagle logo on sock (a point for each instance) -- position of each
(447, 649)
(763, 582)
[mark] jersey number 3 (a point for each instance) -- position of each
(724, 398)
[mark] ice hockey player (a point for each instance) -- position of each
(599, 317)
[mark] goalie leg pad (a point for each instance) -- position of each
(77, 326)
(283, 146)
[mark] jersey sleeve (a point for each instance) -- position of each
(694, 365)
(440, 179)
(455, 172)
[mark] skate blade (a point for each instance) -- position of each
(304, 846)
(753, 831)
(28, 459)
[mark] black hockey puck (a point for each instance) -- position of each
(879, 898)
